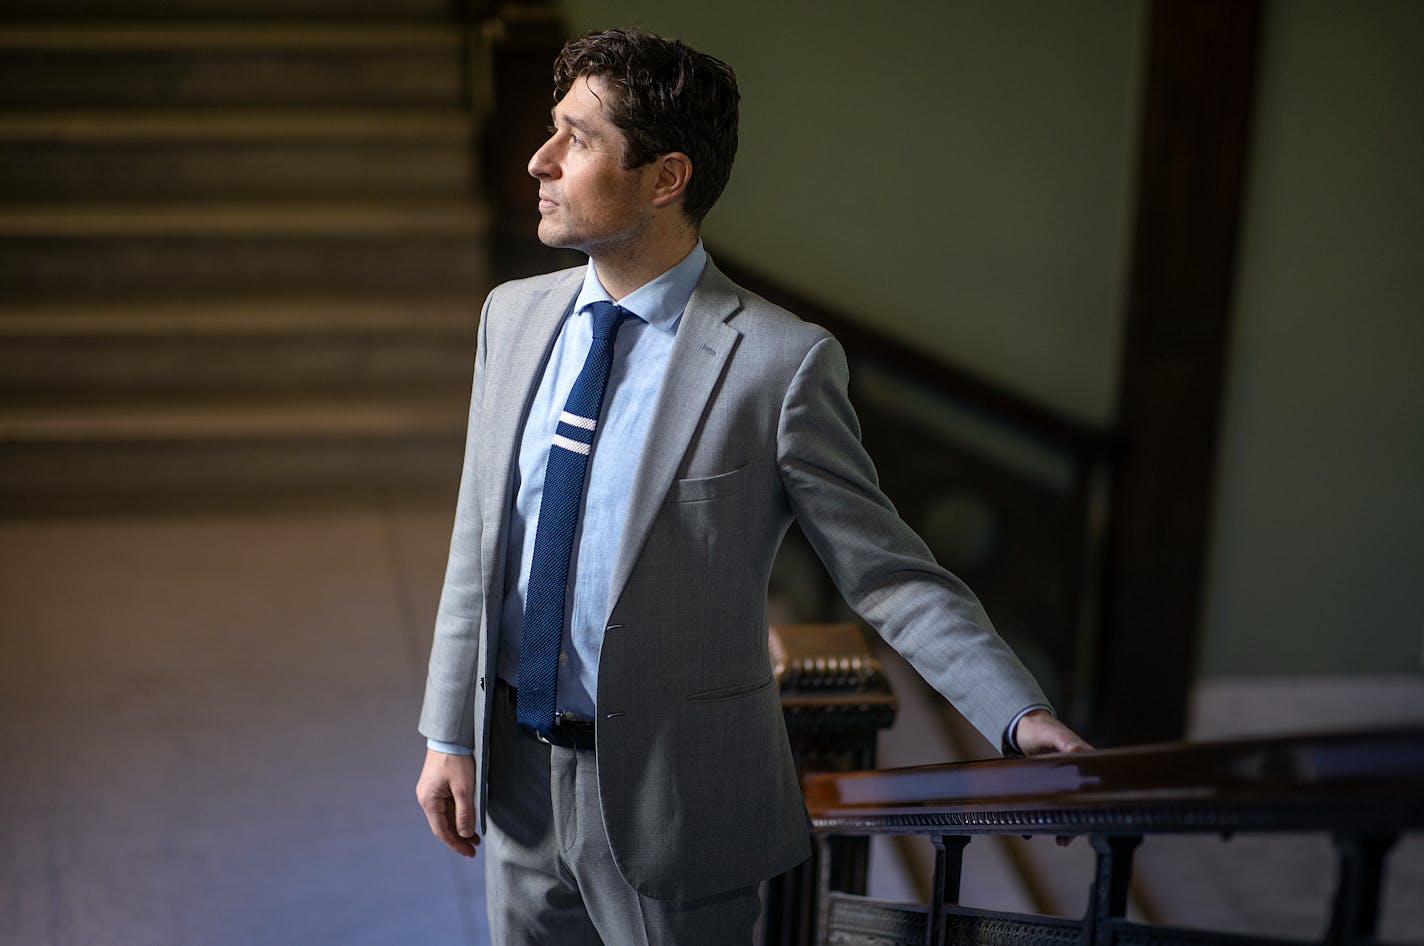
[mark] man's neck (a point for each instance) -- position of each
(624, 269)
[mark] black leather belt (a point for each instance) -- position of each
(568, 732)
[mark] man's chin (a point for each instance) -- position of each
(554, 237)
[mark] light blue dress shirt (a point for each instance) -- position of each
(640, 358)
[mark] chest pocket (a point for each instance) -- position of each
(702, 489)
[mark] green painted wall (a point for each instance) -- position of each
(961, 175)
(1319, 557)
(957, 174)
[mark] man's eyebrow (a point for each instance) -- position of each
(572, 122)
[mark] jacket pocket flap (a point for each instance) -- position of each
(703, 488)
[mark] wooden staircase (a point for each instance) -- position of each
(242, 250)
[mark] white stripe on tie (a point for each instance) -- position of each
(573, 420)
(572, 445)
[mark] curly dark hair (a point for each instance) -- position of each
(665, 97)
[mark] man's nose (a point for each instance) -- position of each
(540, 163)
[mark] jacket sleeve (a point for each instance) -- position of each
(881, 567)
(448, 712)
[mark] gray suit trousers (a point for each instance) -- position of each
(549, 871)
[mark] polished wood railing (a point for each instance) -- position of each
(1364, 789)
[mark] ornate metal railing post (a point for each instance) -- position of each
(836, 699)
(1107, 899)
(1359, 882)
(948, 869)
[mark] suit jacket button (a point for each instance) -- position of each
(482, 683)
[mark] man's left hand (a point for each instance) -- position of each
(1040, 731)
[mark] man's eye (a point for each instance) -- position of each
(553, 130)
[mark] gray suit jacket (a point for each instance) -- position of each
(752, 427)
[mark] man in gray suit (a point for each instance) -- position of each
(657, 791)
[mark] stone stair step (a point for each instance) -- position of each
(353, 127)
(241, 250)
(40, 369)
(373, 420)
(230, 9)
(432, 316)
(93, 268)
(175, 35)
(126, 457)
(230, 64)
(109, 479)
(175, 250)
(185, 155)
(390, 219)
(258, 346)
(70, 173)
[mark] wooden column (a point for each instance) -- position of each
(524, 38)
(1195, 131)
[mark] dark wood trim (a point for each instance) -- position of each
(1196, 125)
(523, 39)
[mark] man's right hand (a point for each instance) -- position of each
(446, 792)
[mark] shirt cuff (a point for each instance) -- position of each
(457, 749)
(1011, 743)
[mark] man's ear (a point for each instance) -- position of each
(674, 171)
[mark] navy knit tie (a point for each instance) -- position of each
(541, 638)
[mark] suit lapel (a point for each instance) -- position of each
(703, 345)
(514, 377)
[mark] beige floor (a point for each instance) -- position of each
(207, 732)
(207, 738)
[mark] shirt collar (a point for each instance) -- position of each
(659, 303)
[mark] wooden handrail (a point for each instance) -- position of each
(1339, 781)
(1363, 788)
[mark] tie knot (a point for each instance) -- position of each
(607, 317)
